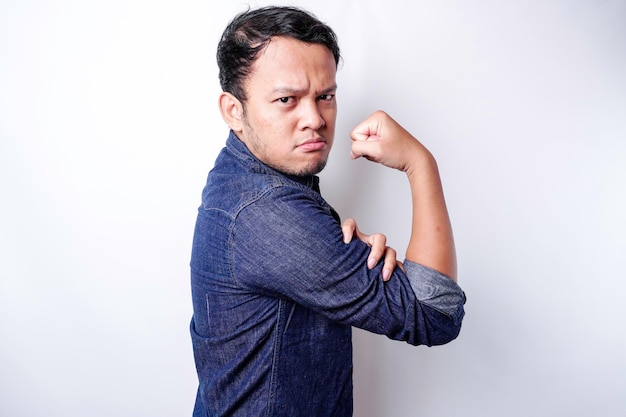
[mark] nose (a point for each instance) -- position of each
(311, 116)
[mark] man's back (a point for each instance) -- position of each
(257, 353)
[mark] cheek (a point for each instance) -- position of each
(330, 116)
(263, 116)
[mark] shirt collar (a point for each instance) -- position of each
(242, 152)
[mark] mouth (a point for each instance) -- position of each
(314, 144)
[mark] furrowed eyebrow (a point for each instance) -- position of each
(289, 91)
(329, 90)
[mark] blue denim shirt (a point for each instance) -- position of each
(276, 291)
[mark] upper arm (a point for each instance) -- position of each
(290, 246)
(287, 245)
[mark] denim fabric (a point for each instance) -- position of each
(276, 291)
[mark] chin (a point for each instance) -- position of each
(311, 169)
(317, 168)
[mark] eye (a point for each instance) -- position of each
(285, 100)
(326, 97)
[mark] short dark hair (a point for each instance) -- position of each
(249, 32)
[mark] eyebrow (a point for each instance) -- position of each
(289, 91)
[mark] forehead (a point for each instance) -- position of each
(288, 62)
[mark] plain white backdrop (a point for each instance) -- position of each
(109, 125)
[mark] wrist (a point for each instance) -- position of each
(421, 165)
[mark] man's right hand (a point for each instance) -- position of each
(379, 138)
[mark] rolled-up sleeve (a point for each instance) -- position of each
(288, 245)
(437, 292)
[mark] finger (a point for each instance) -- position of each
(348, 229)
(363, 131)
(372, 126)
(369, 149)
(390, 263)
(378, 243)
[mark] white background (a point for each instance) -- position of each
(109, 125)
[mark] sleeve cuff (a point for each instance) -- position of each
(434, 288)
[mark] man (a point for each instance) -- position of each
(276, 289)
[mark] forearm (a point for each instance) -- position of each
(431, 243)
(381, 139)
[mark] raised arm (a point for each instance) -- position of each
(381, 139)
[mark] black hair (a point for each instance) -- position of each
(249, 32)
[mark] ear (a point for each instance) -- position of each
(232, 111)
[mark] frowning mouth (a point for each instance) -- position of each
(314, 144)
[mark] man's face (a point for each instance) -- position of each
(290, 112)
